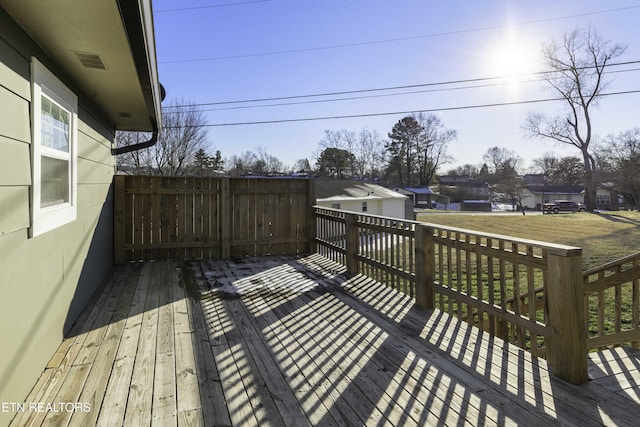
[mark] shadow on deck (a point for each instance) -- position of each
(293, 341)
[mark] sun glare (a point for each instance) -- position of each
(511, 57)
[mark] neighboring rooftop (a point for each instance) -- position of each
(343, 189)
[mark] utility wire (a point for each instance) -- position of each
(395, 40)
(210, 6)
(428, 110)
(351, 98)
(414, 86)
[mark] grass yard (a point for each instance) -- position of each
(603, 237)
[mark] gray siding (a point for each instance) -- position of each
(45, 281)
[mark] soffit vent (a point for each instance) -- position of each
(90, 60)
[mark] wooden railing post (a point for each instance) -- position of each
(351, 236)
(425, 266)
(567, 349)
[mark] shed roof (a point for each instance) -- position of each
(345, 190)
(419, 190)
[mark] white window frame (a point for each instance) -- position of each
(46, 84)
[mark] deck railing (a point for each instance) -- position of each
(527, 292)
(612, 303)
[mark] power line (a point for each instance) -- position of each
(389, 88)
(394, 40)
(318, 101)
(428, 110)
(210, 6)
(347, 92)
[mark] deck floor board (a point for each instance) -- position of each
(294, 341)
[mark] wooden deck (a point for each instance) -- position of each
(292, 341)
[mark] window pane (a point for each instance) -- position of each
(54, 181)
(55, 126)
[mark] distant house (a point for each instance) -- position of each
(460, 187)
(533, 196)
(423, 197)
(359, 196)
(71, 73)
(607, 198)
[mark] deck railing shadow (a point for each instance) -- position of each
(334, 336)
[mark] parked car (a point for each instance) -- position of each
(558, 206)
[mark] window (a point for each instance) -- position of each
(54, 117)
(603, 200)
(364, 206)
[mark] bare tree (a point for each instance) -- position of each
(369, 153)
(133, 162)
(546, 164)
(242, 164)
(252, 163)
(432, 153)
(502, 161)
(578, 64)
(302, 166)
(465, 170)
(624, 154)
(267, 164)
(503, 167)
(182, 135)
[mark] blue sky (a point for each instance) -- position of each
(216, 51)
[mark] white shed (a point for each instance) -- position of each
(360, 196)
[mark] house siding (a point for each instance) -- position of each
(45, 281)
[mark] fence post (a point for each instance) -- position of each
(567, 349)
(425, 266)
(313, 223)
(351, 236)
(225, 221)
(118, 219)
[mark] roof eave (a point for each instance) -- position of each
(137, 18)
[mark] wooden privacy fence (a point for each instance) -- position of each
(526, 292)
(187, 217)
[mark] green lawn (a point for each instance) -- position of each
(603, 237)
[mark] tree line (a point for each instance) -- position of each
(616, 164)
(416, 147)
